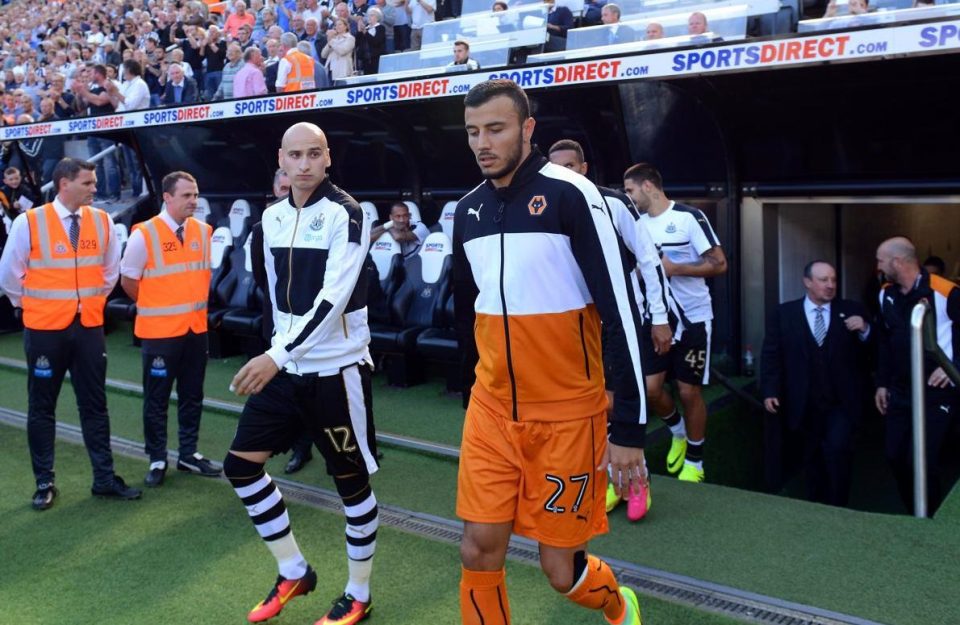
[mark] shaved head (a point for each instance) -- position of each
(900, 247)
(305, 157)
(303, 132)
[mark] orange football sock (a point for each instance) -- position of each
(483, 598)
(597, 589)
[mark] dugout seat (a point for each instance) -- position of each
(119, 307)
(371, 210)
(237, 298)
(414, 209)
(239, 219)
(246, 322)
(416, 306)
(203, 210)
(446, 218)
(439, 344)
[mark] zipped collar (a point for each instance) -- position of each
(525, 173)
(323, 189)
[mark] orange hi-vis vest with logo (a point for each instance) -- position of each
(300, 77)
(175, 284)
(61, 281)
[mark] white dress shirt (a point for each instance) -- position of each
(136, 95)
(13, 263)
(135, 254)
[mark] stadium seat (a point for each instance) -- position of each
(386, 257)
(416, 306)
(203, 210)
(239, 219)
(221, 243)
(371, 210)
(245, 323)
(235, 295)
(415, 217)
(440, 344)
(446, 218)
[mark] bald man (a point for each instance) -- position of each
(907, 284)
(315, 377)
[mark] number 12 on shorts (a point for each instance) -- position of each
(561, 486)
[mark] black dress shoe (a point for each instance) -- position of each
(297, 461)
(117, 490)
(43, 498)
(197, 464)
(155, 477)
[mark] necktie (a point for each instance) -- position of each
(177, 94)
(74, 231)
(180, 234)
(819, 326)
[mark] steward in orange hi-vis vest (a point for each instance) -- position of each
(60, 281)
(301, 76)
(176, 280)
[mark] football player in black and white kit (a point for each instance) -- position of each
(315, 376)
(652, 290)
(690, 252)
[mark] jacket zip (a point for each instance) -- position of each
(506, 321)
(583, 344)
(293, 238)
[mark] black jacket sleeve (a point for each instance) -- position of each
(465, 293)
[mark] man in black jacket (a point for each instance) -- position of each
(812, 370)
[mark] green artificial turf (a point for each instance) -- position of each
(186, 553)
(892, 569)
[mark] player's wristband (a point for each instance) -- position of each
(388, 225)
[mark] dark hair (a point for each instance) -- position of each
(644, 172)
(133, 67)
(170, 181)
(937, 262)
(100, 69)
(483, 92)
(499, 2)
(567, 144)
(70, 168)
(808, 268)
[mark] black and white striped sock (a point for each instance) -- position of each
(362, 522)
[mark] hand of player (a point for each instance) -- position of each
(855, 323)
(772, 404)
(627, 468)
(254, 375)
(662, 338)
(939, 379)
(668, 265)
(882, 400)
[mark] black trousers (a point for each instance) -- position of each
(941, 407)
(50, 354)
(827, 450)
(184, 359)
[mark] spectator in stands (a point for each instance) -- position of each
(371, 42)
(110, 54)
(214, 50)
(269, 20)
(176, 56)
(616, 32)
(313, 36)
(15, 198)
(855, 7)
(153, 69)
(559, 21)
(697, 23)
(238, 18)
(592, 12)
(235, 62)
(98, 97)
(421, 12)
(402, 33)
(298, 26)
(244, 38)
(315, 11)
(342, 11)
(812, 380)
(409, 235)
(134, 95)
(127, 40)
(461, 56)
(271, 64)
(935, 266)
(339, 51)
(249, 80)
(191, 48)
(179, 88)
(321, 79)
(295, 71)
(26, 109)
(51, 148)
(285, 12)
(389, 16)
(63, 101)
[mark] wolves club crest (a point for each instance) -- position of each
(537, 205)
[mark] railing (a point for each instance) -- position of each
(923, 339)
(96, 158)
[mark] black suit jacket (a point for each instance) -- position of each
(189, 95)
(785, 362)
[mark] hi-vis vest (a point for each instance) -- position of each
(301, 75)
(60, 281)
(175, 285)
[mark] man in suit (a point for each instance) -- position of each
(812, 377)
(180, 89)
(616, 32)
